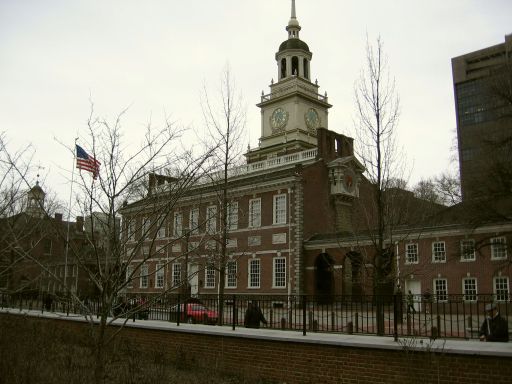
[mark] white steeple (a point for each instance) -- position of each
(293, 27)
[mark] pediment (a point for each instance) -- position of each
(350, 162)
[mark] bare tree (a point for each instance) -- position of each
(117, 255)
(225, 122)
(497, 145)
(443, 189)
(14, 170)
(22, 219)
(105, 249)
(378, 110)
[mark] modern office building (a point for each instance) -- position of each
(482, 83)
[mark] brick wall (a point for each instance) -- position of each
(300, 359)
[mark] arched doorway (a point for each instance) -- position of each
(352, 274)
(324, 278)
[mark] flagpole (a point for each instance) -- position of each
(69, 218)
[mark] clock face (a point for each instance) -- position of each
(312, 119)
(279, 119)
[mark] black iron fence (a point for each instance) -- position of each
(453, 317)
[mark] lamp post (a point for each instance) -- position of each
(397, 267)
(186, 286)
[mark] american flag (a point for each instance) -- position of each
(87, 162)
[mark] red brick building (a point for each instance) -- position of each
(300, 216)
(460, 250)
(33, 256)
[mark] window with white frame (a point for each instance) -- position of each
(210, 276)
(178, 224)
(129, 277)
(279, 213)
(254, 273)
(279, 272)
(411, 253)
(441, 289)
(211, 219)
(469, 288)
(501, 288)
(438, 252)
(159, 276)
(161, 228)
(176, 274)
(231, 274)
(255, 213)
(131, 229)
(146, 225)
(232, 219)
(498, 248)
(194, 221)
(144, 276)
(231, 243)
(467, 250)
(47, 246)
(210, 245)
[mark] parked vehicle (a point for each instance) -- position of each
(141, 307)
(194, 313)
(135, 307)
(120, 307)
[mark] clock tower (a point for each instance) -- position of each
(293, 110)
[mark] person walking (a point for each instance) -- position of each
(410, 302)
(494, 327)
(253, 316)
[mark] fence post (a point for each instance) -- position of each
(356, 322)
(438, 334)
(234, 312)
(333, 317)
(303, 315)
(396, 315)
(179, 311)
(350, 328)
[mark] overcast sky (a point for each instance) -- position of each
(154, 57)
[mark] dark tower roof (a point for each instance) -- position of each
(293, 44)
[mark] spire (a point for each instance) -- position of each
(293, 27)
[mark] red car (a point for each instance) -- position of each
(194, 313)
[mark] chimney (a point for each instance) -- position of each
(332, 145)
(79, 224)
(151, 183)
(58, 217)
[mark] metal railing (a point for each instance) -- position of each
(397, 315)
